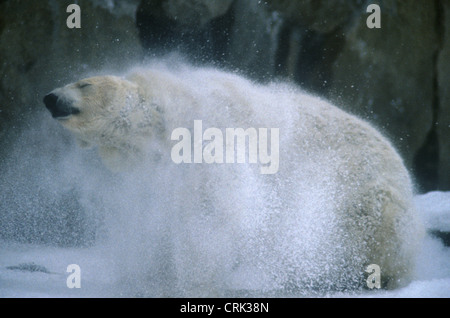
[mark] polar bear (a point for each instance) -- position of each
(340, 201)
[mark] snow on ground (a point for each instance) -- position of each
(25, 284)
(435, 210)
(46, 266)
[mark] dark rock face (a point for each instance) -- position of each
(442, 123)
(397, 77)
(318, 15)
(202, 33)
(39, 52)
(386, 75)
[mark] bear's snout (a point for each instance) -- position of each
(58, 107)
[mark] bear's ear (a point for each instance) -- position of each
(83, 143)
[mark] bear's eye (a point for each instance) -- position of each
(83, 85)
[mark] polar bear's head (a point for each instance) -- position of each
(85, 106)
(106, 111)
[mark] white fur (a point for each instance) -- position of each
(340, 183)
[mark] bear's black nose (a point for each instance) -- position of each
(58, 107)
(50, 101)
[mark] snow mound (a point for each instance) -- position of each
(434, 208)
